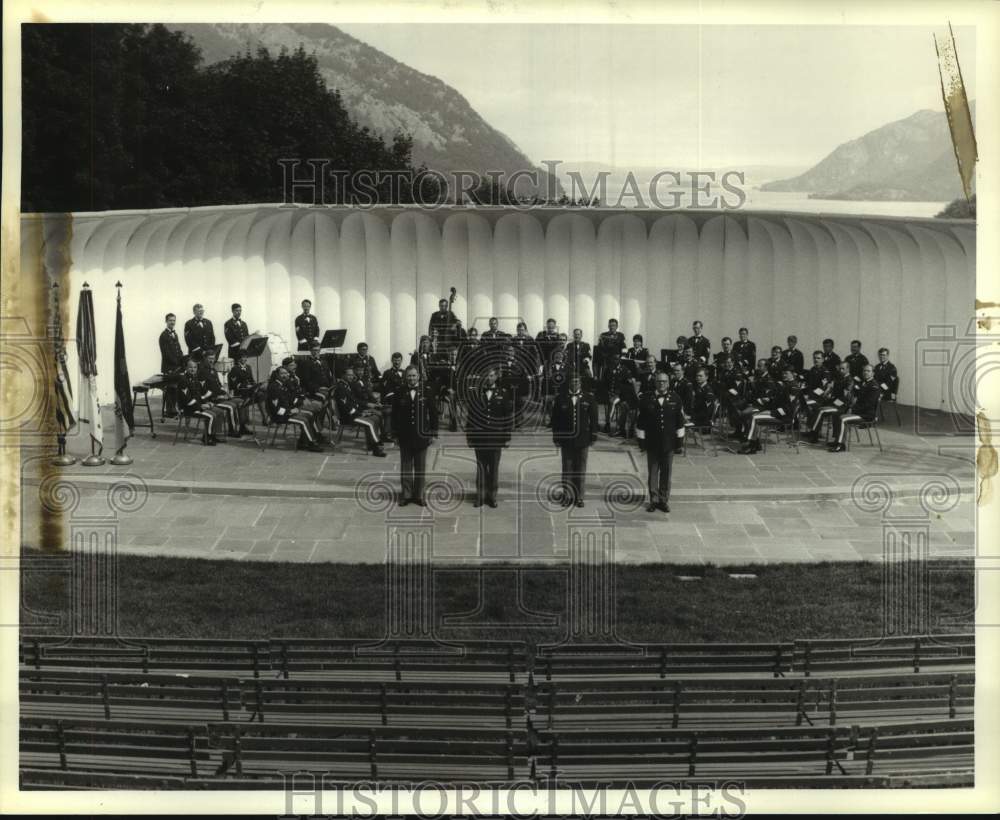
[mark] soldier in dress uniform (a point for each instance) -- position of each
(886, 375)
(198, 334)
(681, 386)
(725, 353)
(731, 388)
(660, 430)
(171, 365)
(415, 424)
(494, 335)
(366, 370)
(778, 408)
(240, 378)
(578, 356)
(831, 361)
(864, 408)
(646, 377)
(236, 330)
(703, 400)
(837, 399)
(817, 382)
(792, 356)
(548, 341)
(443, 326)
(282, 406)
(317, 382)
(487, 430)
(195, 401)
(758, 398)
(306, 326)
(745, 352)
(620, 390)
(610, 342)
(857, 361)
(574, 429)
(638, 352)
(354, 408)
(690, 363)
(556, 380)
(701, 346)
(237, 412)
(677, 353)
(393, 380)
(776, 364)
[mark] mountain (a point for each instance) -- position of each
(911, 159)
(384, 95)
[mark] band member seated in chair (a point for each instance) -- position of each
(837, 399)
(240, 379)
(578, 357)
(171, 365)
(864, 409)
(646, 375)
(701, 346)
(306, 326)
(779, 409)
(775, 365)
(494, 335)
(237, 411)
(731, 389)
(660, 430)
(703, 400)
(487, 431)
(195, 402)
(857, 361)
(622, 396)
(415, 422)
(682, 387)
(548, 340)
(304, 400)
(353, 407)
(236, 330)
(817, 383)
(282, 407)
(690, 363)
(745, 352)
(758, 399)
(198, 333)
(725, 353)
(831, 361)
(556, 381)
(393, 380)
(442, 329)
(886, 375)
(574, 429)
(366, 370)
(792, 356)
(317, 383)
(609, 343)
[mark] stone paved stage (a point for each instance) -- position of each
(236, 502)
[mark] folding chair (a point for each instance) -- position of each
(870, 426)
(272, 426)
(184, 420)
(790, 428)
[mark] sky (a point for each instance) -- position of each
(702, 96)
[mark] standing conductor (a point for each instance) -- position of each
(487, 431)
(660, 430)
(574, 429)
(414, 423)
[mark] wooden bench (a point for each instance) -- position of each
(230, 657)
(395, 703)
(148, 748)
(399, 660)
(663, 660)
(706, 702)
(863, 655)
(73, 694)
(349, 753)
(644, 756)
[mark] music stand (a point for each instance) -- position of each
(254, 346)
(333, 339)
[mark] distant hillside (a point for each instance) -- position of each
(910, 159)
(383, 94)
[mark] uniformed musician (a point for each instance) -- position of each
(236, 330)
(283, 407)
(831, 361)
(415, 425)
(792, 356)
(681, 386)
(758, 399)
(488, 430)
(306, 326)
(240, 378)
(837, 399)
(354, 408)
(725, 353)
(621, 394)
(817, 382)
(660, 430)
(646, 376)
(198, 334)
(857, 361)
(690, 363)
(366, 370)
(195, 401)
(776, 364)
(237, 411)
(494, 335)
(745, 352)
(317, 382)
(574, 429)
(610, 342)
(556, 381)
(731, 388)
(638, 352)
(701, 346)
(393, 380)
(578, 356)
(548, 340)
(778, 408)
(703, 400)
(863, 409)
(443, 326)
(886, 375)
(171, 365)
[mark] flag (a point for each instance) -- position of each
(956, 106)
(65, 417)
(88, 408)
(123, 389)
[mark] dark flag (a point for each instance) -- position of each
(123, 389)
(88, 408)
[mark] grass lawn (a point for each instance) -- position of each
(184, 597)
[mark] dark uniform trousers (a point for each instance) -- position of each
(415, 420)
(574, 429)
(487, 473)
(659, 425)
(488, 430)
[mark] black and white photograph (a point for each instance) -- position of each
(487, 409)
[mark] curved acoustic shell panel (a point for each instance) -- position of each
(380, 272)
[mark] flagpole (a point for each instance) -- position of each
(95, 459)
(119, 458)
(63, 459)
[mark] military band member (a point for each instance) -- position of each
(354, 408)
(282, 407)
(701, 346)
(703, 400)
(660, 430)
(578, 356)
(646, 377)
(487, 430)
(758, 399)
(792, 356)
(731, 389)
(838, 399)
(745, 352)
(528, 350)
(817, 382)
(611, 341)
(195, 401)
(393, 380)
(443, 325)
(237, 412)
(681, 386)
(171, 365)
(677, 354)
(317, 381)
(415, 425)
(690, 363)
(306, 326)
(831, 361)
(638, 352)
(240, 378)
(778, 409)
(574, 429)
(886, 375)
(863, 409)
(366, 370)
(493, 335)
(198, 333)
(620, 390)
(776, 364)
(548, 340)
(556, 381)
(236, 331)
(857, 361)
(725, 353)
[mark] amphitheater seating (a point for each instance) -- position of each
(244, 714)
